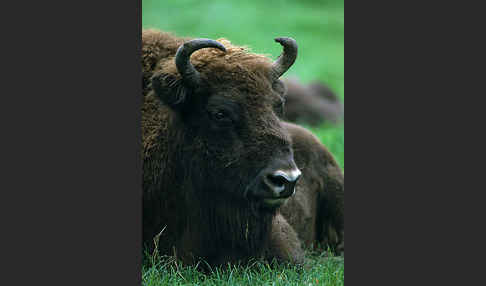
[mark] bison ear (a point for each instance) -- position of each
(280, 87)
(169, 89)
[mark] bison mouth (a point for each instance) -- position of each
(268, 203)
(273, 202)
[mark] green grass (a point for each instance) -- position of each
(318, 27)
(321, 270)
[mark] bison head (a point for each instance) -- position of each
(228, 101)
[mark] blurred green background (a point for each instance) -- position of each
(316, 25)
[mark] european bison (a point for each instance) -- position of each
(311, 104)
(219, 174)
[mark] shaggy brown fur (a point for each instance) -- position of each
(316, 211)
(197, 171)
(311, 104)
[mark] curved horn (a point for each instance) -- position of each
(287, 58)
(182, 59)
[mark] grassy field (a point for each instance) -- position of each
(323, 270)
(318, 27)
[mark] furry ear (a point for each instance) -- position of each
(169, 89)
(280, 87)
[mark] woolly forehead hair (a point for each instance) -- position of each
(234, 55)
(237, 60)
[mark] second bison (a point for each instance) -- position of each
(312, 104)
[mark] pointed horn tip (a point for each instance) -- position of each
(208, 43)
(282, 40)
(217, 45)
(222, 48)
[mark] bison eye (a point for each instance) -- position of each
(221, 117)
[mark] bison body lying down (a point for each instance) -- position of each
(311, 104)
(220, 174)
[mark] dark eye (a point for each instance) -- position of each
(221, 117)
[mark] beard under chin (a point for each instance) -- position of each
(241, 224)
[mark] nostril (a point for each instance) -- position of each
(281, 183)
(277, 180)
(288, 176)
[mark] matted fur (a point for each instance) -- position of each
(194, 177)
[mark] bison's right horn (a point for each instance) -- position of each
(189, 74)
(287, 58)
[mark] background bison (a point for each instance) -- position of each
(219, 168)
(313, 104)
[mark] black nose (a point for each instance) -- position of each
(282, 183)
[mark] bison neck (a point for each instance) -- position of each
(222, 230)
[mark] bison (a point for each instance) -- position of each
(224, 179)
(312, 104)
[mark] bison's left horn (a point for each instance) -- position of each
(189, 74)
(287, 58)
